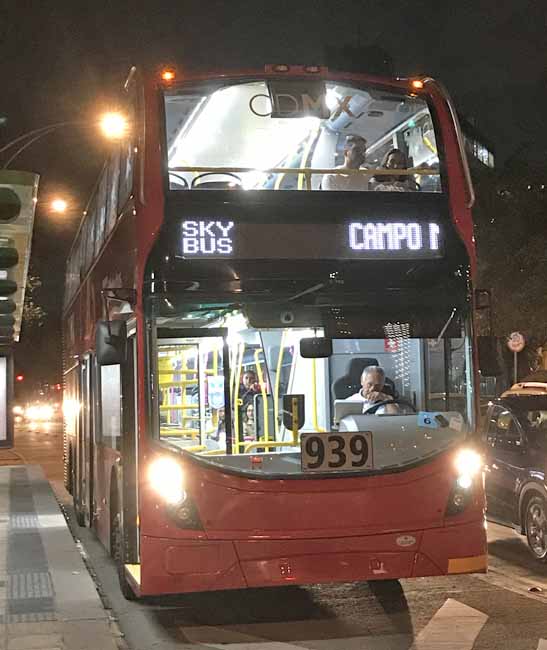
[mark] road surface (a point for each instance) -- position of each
(504, 610)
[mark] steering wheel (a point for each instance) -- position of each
(182, 180)
(193, 186)
(397, 400)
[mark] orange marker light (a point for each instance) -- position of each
(168, 75)
(417, 84)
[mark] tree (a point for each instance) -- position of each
(511, 233)
(33, 314)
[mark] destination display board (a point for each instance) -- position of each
(352, 239)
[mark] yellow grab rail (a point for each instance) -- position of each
(263, 393)
(411, 171)
(277, 380)
(195, 448)
(268, 444)
(314, 397)
(241, 351)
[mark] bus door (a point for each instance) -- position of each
(194, 389)
(130, 455)
(85, 446)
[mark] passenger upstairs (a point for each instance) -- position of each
(394, 159)
(373, 380)
(354, 156)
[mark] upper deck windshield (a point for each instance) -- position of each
(223, 387)
(299, 135)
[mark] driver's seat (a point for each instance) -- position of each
(350, 383)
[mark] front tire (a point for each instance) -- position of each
(535, 526)
(117, 552)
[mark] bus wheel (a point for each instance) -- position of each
(116, 550)
(535, 524)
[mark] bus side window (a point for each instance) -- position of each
(110, 405)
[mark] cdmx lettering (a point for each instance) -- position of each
(207, 237)
(287, 105)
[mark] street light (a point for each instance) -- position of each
(59, 206)
(114, 126)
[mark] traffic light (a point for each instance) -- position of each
(18, 193)
(8, 286)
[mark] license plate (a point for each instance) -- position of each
(336, 452)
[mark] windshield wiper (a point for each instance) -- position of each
(446, 325)
(313, 289)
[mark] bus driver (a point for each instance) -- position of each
(372, 384)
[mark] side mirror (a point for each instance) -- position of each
(315, 348)
(488, 356)
(111, 342)
(295, 402)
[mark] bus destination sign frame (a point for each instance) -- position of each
(353, 239)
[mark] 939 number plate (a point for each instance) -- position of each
(335, 452)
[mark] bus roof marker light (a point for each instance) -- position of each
(417, 84)
(168, 75)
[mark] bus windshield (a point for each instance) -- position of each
(299, 135)
(413, 394)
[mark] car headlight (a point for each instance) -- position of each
(167, 479)
(46, 412)
(32, 412)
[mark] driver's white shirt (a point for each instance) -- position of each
(367, 403)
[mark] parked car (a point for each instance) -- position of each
(515, 433)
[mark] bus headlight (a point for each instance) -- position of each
(166, 478)
(468, 463)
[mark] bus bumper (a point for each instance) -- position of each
(182, 566)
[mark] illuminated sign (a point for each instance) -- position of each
(218, 238)
(378, 236)
(207, 237)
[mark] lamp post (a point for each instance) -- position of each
(113, 125)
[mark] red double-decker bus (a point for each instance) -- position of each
(269, 357)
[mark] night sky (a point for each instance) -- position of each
(67, 60)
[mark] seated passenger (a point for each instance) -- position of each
(354, 156)
(394, 159)
(372, 384)
(249, 422)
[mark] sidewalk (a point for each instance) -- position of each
(48, 600)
